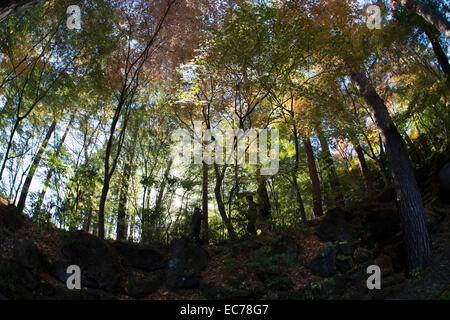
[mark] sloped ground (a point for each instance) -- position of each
(326, 260)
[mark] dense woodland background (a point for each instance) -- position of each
(86, 116)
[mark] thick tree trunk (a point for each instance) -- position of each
(338, 197)
(12, 6)
(416, 237)
(220, 203)
(38, 205)
(363, 167)
(317, 195)
(438, 21)
(34, 166)
(205, 200)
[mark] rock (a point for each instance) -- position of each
(287, 246)
(138, 256)
(357, 274)
(214, 291)
(17, 282)
(187, 261)
(431, 283)
(387, 195)
(392, 280)
(278, 295)
(275, 281)
(324, 264)
(142, 284)
(11, 218)
(385, 264)
(99, 263)
(333, 227)
(345, 248)
(382, 225)
(396, 252)
(361, 255)
(444, 182)
(344, 262)
(26, 253)
(47, 291)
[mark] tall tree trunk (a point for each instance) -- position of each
(263, 196)
(440, 54)
(220, 204)
(363, 167)
(8, 148)
(125, 183)
(132, 223)
(438, 21)
(416, 237)
(110, 166)
(338, 197)
(205, 200)
(382, 163)
(50, 172)
(12, 6)
(162, 189)
(87, 222)
(298, 195)
(121, 232)
(317, 196)
(34, 166)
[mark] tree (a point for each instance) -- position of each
(129, 82)
(415, 232)
(13, 6)
(428, 14)
(36, 161)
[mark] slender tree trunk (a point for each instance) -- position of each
(298, 195)
(8, 149)
(132, 223)
(263, 196)
(438, 21)
(415, 153)
(87, 222)
(440, 54)
(363, 167)
(110, 166)
(38, 205)
(205, 200)
(122, 208)
(338, 197)
(34, 166)
(382, 163)
(317, 196)
(162, 189)
(416, 236)
(220, 203)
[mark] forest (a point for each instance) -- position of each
(335, 119)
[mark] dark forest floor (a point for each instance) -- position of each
(325, 260)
